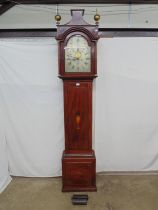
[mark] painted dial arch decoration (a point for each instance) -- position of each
(77, 55)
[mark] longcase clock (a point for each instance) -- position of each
(77, 42)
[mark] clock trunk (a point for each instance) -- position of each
(78, 115)
(78, 158)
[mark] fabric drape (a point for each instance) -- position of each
(125, 116)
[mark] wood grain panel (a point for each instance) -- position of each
(79, 173)
(78, 103)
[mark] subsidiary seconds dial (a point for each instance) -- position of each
(77, 55)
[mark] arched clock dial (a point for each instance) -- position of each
(77, 55)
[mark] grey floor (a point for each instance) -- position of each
(138, 192)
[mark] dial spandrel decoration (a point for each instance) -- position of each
(77, 55)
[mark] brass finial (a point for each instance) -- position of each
(57, 16)
(96, 17)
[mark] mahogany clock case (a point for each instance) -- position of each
(79, 172)
(82, 75)
(78, 160)
(77, 26)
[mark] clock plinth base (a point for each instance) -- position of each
(79, 172)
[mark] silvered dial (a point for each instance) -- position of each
(77, 55)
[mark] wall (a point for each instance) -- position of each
(42, 16)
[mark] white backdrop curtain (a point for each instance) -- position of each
(127, 104)
(4, 173)
(31, 107)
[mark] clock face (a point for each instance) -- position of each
(77, 55)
